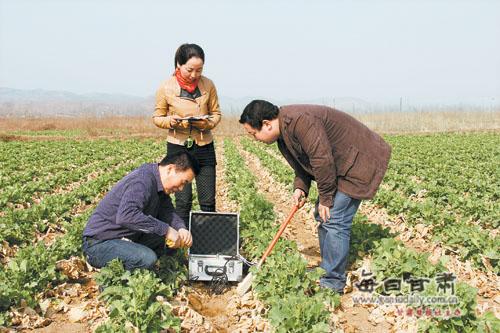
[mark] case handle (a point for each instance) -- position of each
(216, 270)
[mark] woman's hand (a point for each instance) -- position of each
(201, 124)
(176, 122)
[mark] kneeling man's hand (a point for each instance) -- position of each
(186, 238)
(172, 238)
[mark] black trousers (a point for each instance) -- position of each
(205, 181)
(205, 186)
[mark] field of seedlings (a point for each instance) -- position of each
(424, 252)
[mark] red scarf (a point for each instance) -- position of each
(185, 84)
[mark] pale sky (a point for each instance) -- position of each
(378, 51)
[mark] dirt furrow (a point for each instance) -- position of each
(203, 311)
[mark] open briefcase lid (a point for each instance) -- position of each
(214, 233)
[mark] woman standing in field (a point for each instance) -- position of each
(189, 94)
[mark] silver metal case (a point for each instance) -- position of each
(215, 249)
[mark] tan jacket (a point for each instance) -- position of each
(334, 149)
(169, 102)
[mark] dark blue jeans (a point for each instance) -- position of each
(140, 253)
(334, 237)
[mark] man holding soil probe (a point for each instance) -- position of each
(135, 220)
(346, 159)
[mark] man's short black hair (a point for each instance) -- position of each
(182, 161)
(258, 110)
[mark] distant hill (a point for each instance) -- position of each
(40, 95)
(39, 102)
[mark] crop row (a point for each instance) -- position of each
(458, 173)
(26, 161)
(449, 182)
(137, 301)
(283, 283)
(25, 193)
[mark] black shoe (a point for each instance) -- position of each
(340, 292)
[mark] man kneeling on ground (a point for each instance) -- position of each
(136, 218)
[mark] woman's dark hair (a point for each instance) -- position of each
(186, 52)
(258, 110)
(182, 161)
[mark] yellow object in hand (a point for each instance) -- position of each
(170, 243)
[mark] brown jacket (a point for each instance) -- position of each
(334, 149)
(169, 102)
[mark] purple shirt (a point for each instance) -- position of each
(137, 204)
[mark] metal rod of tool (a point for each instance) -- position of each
(277, 236)
(246, 284)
